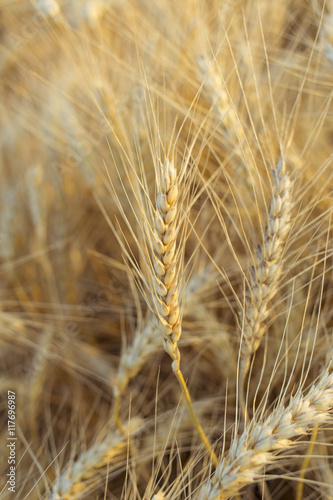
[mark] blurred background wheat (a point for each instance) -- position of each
(166, 184)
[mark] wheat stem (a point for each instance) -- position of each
(166, 284)
(194, 418)
(306, 461)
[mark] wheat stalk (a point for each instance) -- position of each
(165, 287)
(166, 282)
(263, 439)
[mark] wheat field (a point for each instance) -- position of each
(166, 249)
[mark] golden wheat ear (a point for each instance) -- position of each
(80, 475)
(263, 281)
(166, 282)
(263, 439)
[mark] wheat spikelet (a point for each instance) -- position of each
(264, 274)
(258, 445)
(49, 8)
(159, 496)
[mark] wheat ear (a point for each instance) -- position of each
(265, 273)
(133, 358)
(262, 440)
(216, 90)
(166, 282)
(79, 474)
(225, 111)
